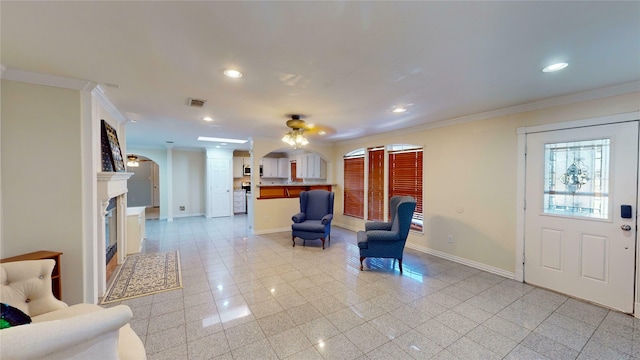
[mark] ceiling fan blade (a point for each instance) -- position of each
(321, 130)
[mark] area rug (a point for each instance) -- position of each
(145, 274)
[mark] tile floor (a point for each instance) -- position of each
(257, 297)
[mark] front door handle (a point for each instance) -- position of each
(625, 227)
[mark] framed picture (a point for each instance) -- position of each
(112, 159)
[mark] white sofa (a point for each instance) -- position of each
(59, 331)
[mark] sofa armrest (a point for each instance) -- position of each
(87, 336)
(379, 235)
(377, 225)
(326, 219)
(299, 217)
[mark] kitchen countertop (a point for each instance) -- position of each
(296, 184)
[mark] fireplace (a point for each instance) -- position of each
(112, 211)
(111, 230)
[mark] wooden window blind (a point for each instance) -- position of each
(376, 184)
(354, 187)
(405, 179)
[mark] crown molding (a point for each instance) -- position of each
(29, 77)
(595, 94)
(98, 93)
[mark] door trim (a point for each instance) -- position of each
(521, 186)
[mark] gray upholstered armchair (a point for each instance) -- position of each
(387, 240)
(314, 219)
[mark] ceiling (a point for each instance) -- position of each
(343, 64)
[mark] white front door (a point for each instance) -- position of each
(577, 239)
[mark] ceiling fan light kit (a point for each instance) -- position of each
(295, 137)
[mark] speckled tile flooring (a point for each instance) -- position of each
(257, 297)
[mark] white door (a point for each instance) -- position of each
(576, 239)
(219, 182)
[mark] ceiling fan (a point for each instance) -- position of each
(299, 127)
(296, 123)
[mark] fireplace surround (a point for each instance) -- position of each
(112, 188)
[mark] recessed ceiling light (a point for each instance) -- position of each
(235, 141)
(322, 132)
(555, 67)
(207, 118)
(399, 110)
(233, 73)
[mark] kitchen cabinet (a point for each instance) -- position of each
(239, 202)
(283, 168)
(238, 165)
(135, 229)
(275, 168)
(311, 166)
(269, 167)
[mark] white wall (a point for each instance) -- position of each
(188, 182)
(42, 177)
(470, 180)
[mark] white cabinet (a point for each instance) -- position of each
(135, 229)
(269, 167)
(239, 202)
(311, 166)
(275, 168)
(283, 168)
(238, 167)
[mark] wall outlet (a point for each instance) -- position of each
(182, 208)
(450, 239)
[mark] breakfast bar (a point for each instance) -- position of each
(283, 191)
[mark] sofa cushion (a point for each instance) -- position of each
(10, 316)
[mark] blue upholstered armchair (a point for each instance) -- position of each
(386, 240)
(314, 219)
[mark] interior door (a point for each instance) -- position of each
(219, 187)
(578, 240)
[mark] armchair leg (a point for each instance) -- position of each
(361, 258)
(293, 240)
(400, 264)
(322, 243)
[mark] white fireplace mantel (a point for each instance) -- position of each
(112, 184)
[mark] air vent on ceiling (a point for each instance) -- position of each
(196, 102)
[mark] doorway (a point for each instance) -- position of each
(581, 196)
(144, 187)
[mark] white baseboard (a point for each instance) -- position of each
(271, 231)
(348, 227)
(187, 215)
(459, 260)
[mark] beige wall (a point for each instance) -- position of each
(188, 183)
(470, 179)
(42, 177)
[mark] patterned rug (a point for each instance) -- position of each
(145, 274)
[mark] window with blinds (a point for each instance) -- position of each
(354, 186)
(405, 179)
(376, 184)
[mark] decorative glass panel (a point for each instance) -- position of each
(576, 179)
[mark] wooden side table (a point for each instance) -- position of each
(56, 280)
